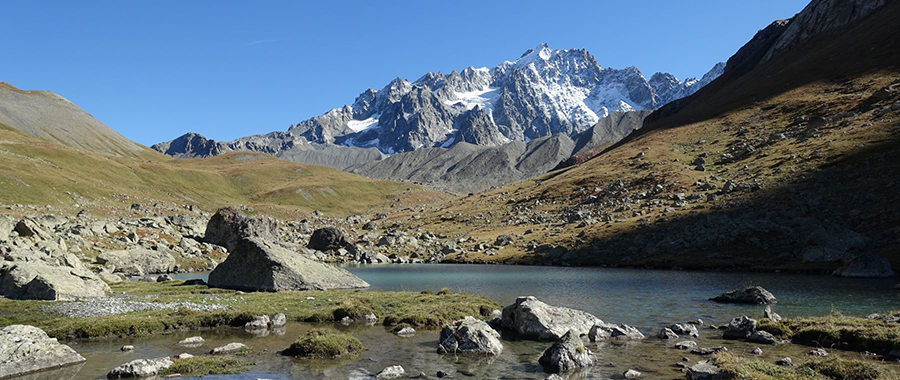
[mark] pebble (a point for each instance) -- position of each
(127, 348)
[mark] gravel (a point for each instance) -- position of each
(104, 306)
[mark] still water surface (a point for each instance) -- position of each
(647, 299)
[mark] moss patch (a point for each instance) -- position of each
(831, 368)
(207, 365)
(325, 344)
(836, 330)
(412, 308)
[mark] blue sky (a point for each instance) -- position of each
(155, 69)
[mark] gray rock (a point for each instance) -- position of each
(818, 352)
(260, 322)
(685, 329)
(194, 341)
(706, 370)
(532, 319)
(257, 264)
(666, 333)
(140, 368)
(503, 240)
(740, 328)
(762, 337)
(327, 238)
(757, 351)
(40, 281)
(25, 349)
(686, 345)
(750, 295)
(708, 350)
(407, 332)
(469, 336)
(786, 362)
(632, 374)
(278, 320)
(127, 347)
(620, 332)
(228, 348)
(769, 314)
(391, 372)
(866, 265)
(138, 261)
(567, 354)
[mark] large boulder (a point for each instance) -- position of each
(532, 319)
(228, 226)
(258, 265)
(740, 328)
(469, 336)
(751, 294)
(138, 262)
(42, 281)
(327, 238)
(26, 349)
(867, 265)
(140, 368)
(567, 354)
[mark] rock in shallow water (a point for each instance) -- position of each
(469, 336)
(533, 319)
(228, 348)
(740, 328)
(25, 349)
(706, 370)
(568, 353)
(140, 368)
(751, 295)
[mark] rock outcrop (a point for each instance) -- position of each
(532, 319)
(567, 354)
(751, 295)
(469, 336)
(867, 265)
(42, 281)
(259, 265)
(25, 349)
(138, 262)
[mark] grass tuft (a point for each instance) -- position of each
(325, 344)
(207, 365)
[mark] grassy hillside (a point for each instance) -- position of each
(39, 172)
(843, 168)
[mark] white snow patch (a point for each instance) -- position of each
(362, 125)
(484, 98)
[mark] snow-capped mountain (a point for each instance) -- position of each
(542, 93)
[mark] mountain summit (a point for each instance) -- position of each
(544, 92)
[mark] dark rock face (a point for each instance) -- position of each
(228, 226)
(190, 145)
(749, 55)
(750, 295)
(867, 265)
(327, 238)
(25, 349)
(567, 354)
